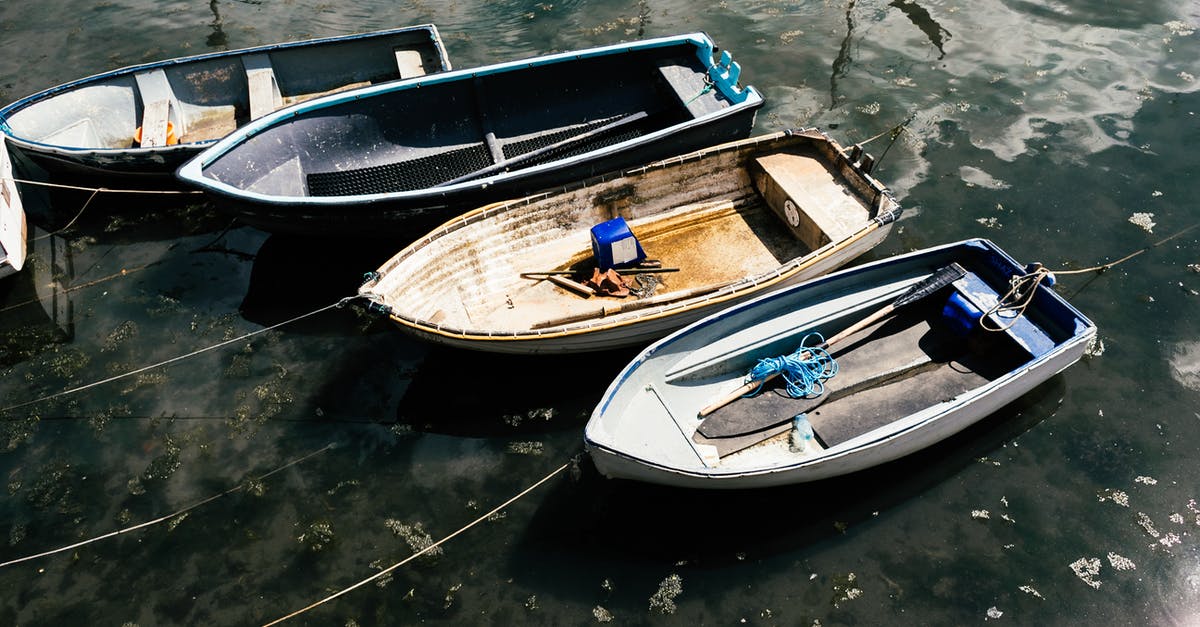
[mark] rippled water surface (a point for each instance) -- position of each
(336, 447)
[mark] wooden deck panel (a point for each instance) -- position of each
(826, 210)
(711, 248)
(264, 89)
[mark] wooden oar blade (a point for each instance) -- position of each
(934, 282)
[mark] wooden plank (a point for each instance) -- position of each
(154, 123)
(692, 88)
(409, 63)
(809, 197)
(264, 88)
(153, 87)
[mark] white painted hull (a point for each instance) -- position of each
(12, 218)
(642, 429)
(645, 330)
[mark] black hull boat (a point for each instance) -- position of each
(394, 158)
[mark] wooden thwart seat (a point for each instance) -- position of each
(158, 101)
(693, 91)
(264, 89)
(409, 63)
(808, 197)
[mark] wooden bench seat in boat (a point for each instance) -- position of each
(158, 104)
(807, 196)
(264, 89)
(694, 93)
(1021, 329)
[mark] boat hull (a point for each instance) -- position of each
(83, 131)
(389, 217)
(13, 233)
(473, 283)
(671, 373)
(398, 159)
(646, 329)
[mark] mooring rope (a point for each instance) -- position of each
(422, 551)
(107, 189)
(68, 290)
(174, 514)
(804, 370)
(172, 360)
(1023, 288)
(95, 191)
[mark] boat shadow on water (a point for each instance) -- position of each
(465, 393)
(707, 528)
(294, 275)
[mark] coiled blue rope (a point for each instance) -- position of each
(805, 370)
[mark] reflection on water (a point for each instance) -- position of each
(339, 446)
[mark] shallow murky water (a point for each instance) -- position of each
(1065, 131)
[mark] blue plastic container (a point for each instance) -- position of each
(961, 315)
(614, 245)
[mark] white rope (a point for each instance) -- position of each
(168, 516)
(422, 551)
(174, 359)
(105, 189)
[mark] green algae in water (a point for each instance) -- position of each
(525, 448)
(383, 580)
(67, 362)
(416, 537)
(18, 431)
(254, 487)
(165, 465)
(16, 534)
(845, 588)
(343, 484)
(317, 536)
(663, 600)
(123, 333)
(451, 595)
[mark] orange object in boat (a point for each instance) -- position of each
(171, 138)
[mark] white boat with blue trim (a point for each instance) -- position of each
(135, 126)
(925, 344)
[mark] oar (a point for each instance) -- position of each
(934, 282)
(545, 150)
(616, 308)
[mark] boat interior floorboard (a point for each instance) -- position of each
(709, 248)
(902, 365)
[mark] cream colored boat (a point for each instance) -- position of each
(732, 221)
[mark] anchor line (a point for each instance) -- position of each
(95, 192)
(73, 288)
(431, 547)
(175, 192)
(177, 358)
(1022, 289)
(174, 514)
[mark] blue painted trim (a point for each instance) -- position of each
(192, 171)
(1059, 310)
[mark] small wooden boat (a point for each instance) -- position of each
(728, 222)
(921, 351)
(373, 161)
(12, 218)
(138, 124)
